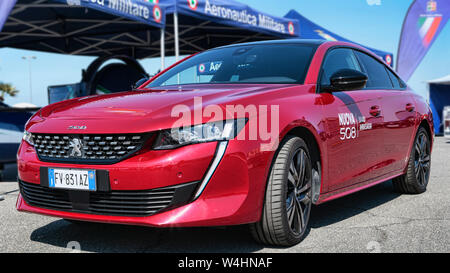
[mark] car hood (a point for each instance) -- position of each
(139, 111)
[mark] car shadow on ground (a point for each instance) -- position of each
(107, 238)
(351, 205)
(96, 237)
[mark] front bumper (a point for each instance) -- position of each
(233, 194)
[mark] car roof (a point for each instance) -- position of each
(284, 41)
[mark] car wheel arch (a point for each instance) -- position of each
(424, 123)
(310, 139)
(307, 132)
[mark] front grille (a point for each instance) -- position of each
(94, 149)
(118, 203)
(43, 197)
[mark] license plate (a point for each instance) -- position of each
(73, 179)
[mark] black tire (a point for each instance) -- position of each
(281, 224)
(416, 178)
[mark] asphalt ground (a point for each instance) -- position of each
(372, 220)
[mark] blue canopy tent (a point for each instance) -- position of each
(136, 27)
(311, 30)
(83, 27)
(439, 91)
(131, 27)
(196, 25)
(5, 9)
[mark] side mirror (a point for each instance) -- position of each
(139, 83)
(346, 80)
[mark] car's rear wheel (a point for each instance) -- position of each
(287, 204)
(415, 180)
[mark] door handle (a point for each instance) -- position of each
(375, 111)
(410, 107)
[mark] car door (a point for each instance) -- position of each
(399, 126)
(353, 120)
(398, 113)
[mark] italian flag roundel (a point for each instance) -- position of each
(157, 14)
(291, 28)
(153, 1)
(388, 59)
(201, 68)
(193, 4)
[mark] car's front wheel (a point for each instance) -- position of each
(415, 180)
(287, 205)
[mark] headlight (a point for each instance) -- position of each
(28, 137)
(213, 131)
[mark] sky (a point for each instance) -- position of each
(362, 21)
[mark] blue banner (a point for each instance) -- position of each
(5, 9)
(228, 12)
(423, 23)
(145, 11)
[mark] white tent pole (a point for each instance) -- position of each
(163, 49)
(177, 43)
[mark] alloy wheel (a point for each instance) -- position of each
(422, 159)
(298, 200)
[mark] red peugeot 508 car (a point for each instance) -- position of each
(244, 134)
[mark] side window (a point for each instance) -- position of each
(398, 84)
(337, 59)
(376, 72)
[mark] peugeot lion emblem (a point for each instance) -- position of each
(77, 146)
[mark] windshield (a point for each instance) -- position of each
(262, 64)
